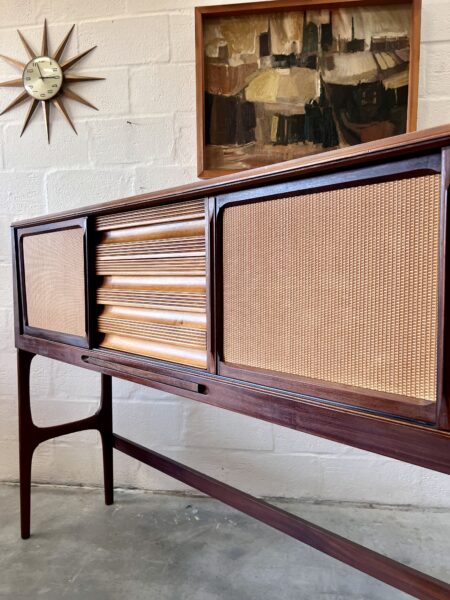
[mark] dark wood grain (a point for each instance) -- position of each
(403, 168)
(410, 442)
(123, 369)
(210, 284)
(389, 404)
(443, 349)
(90, 244)
(18, 317)
(31, 436)
(105, 418)
(359, 557)
(387, 149)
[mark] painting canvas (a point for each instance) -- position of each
(289, 83)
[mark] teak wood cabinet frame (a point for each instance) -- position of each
(382, 423)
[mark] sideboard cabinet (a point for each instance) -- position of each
(311, 294)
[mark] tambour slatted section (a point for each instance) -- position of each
(151, 268)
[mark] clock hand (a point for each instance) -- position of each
(37, 64)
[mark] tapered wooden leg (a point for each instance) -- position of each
(26, 439)
(30, 436)
(25, 493)
(106, 433)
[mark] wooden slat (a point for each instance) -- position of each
(153, 232)
(193, 209)
(164, 317)
(151, 270)
(172, 283)
(151, 299)
(184, 246)
(186, 266)
(151, 331)
(185, 356)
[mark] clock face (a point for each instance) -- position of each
(42, 78)
(47, 80)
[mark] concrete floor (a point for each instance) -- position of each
(165, 547)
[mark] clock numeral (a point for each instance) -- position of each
(57, 77)
(28, 78)
(54, 70)
(54, 85)
(50, 91)
(42, 95)
(29, 70)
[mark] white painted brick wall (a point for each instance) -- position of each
(143, 138)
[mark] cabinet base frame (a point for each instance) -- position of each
(372, 563)
(391, 572)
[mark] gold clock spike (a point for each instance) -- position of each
(73, 96)
(46, 111)
(60, 105)
(31, 53)
(44, 49)
(30, 113)
(18, 100)
(51, 96)
(73, 78)
(63, 44)
(71, 61)
(12, 83)
(13, 62)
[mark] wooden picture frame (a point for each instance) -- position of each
(259, 142)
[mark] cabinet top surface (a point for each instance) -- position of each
(406, 144)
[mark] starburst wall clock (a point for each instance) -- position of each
(45, 80)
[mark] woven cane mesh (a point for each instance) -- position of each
(339, 286)
(54, 281)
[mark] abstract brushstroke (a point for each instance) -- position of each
(286, 84)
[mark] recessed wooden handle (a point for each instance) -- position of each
(142, 374)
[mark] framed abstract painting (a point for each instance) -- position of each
(284, 79)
